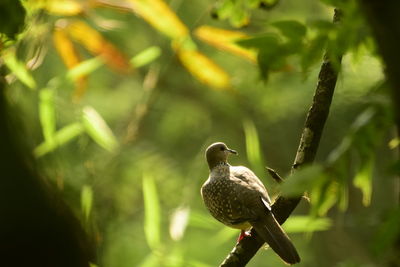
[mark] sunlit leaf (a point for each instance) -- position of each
(98, 129)
(61, 137)
(84, 68)
(160, 16)
(65, 48)
(225, 40)
(395, 142)
(253, 150)
(179, 221)
(70, 57)
(47, 114)
(86, 200)
(62, 7)
(363, 181)
(300, 224)
(18, 69)
(302, 180)
(323, 196)
(202, 67)
(152, 212)
(146, 56)
(98, 45)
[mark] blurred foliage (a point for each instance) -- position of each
(118, 125)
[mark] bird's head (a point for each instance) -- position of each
(218, 153)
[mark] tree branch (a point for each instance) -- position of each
(309, 141)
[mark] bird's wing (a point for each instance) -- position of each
(251, 181)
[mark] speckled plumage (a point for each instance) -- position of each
(236, 197)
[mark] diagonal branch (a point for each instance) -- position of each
(309, 142)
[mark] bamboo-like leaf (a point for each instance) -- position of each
(146, 56)
(70, 57)
(61, 137)
(179, 221)
(62, 7)
(253, 150)
(300, 224)
(86, 201)
(47, 114)
(98, 45)
(84, 68)
(18, 69)
(226, 41)
(98, 129)
(201, 67)
(363, 181)
(152, 216)
(158, 14)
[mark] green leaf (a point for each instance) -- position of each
(300, 224)
(61, 137)
(98, 129)
(302, 180)
(363, 181)
(266, 41)
(253, 146)
(86, 200)
(292, 29)
(323, 196)
(84, 68)
(152, 212)
(19, 69)
(313, 52)
(146, 56)
(47, 114)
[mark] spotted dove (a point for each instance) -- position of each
(237, 198)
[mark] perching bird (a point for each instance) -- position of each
(237, 198)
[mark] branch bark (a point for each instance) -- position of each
(309, 142)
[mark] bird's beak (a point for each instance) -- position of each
(232, 151)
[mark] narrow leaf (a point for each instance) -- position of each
(363, 181)
(61, 137)
(47, 114)
(19, 69)
(179, 221)
(152, 221)
(299, 224)
(98, 45)
(146, 56)
(202, 67)
(253, 145)
(98, 129)
(225, 40)
(86, 200)
(84, 68)
(158, 14)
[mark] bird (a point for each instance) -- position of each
(236, 197)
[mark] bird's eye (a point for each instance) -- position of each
(222, 148)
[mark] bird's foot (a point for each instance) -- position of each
(243, 234)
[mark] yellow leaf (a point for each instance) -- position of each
(97, 45)
(160, 16)
(70, 57)
(204, 69)
(225, 40)
(62, 7)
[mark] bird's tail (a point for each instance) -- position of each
(272, 233)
